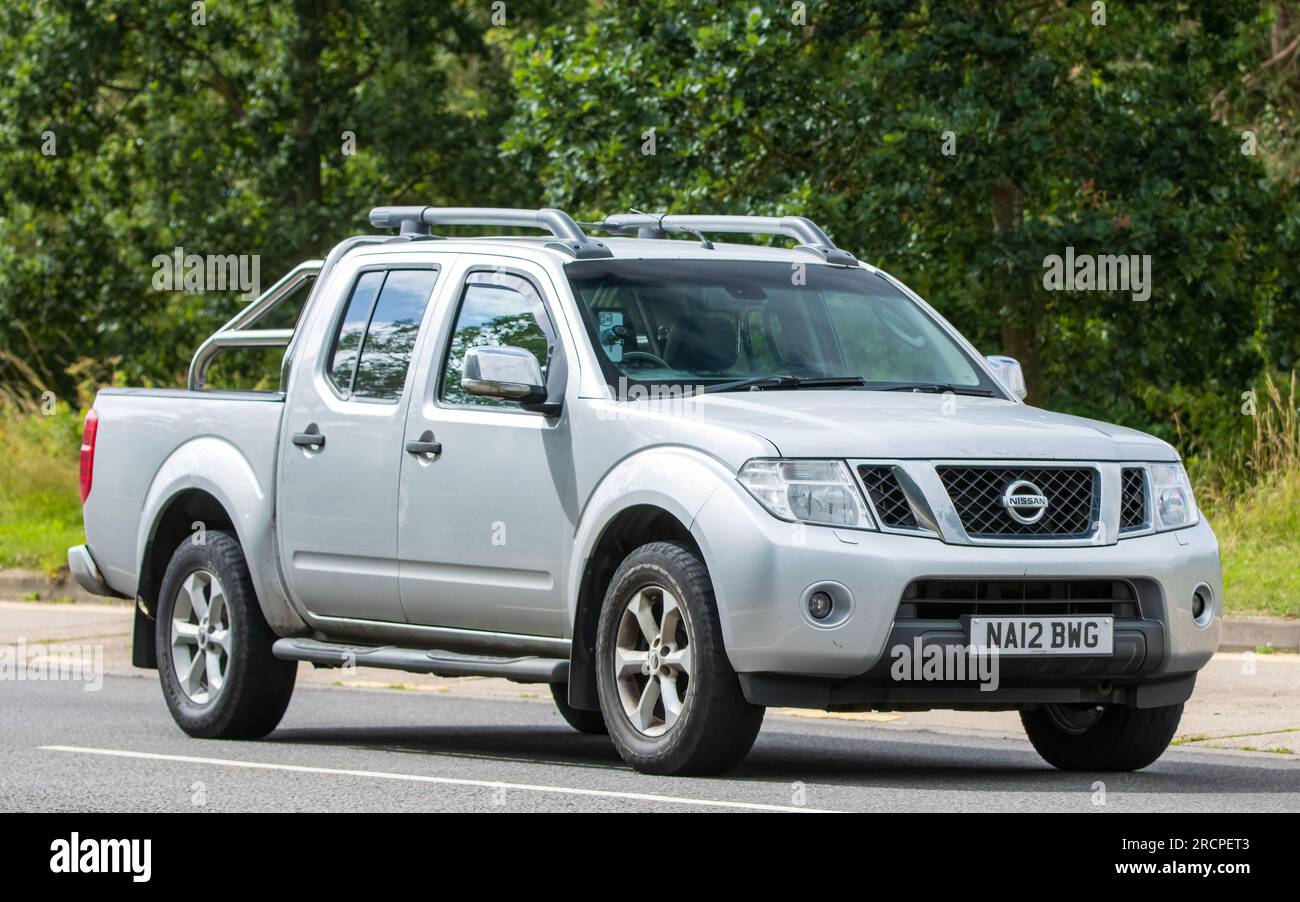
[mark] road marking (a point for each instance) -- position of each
(447, 781)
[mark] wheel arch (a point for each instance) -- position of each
(175, 522)
(209, 482)
(632, 527)
(651, 497)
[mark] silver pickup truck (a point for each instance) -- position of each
(677, 481)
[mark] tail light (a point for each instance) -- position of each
(88, 434)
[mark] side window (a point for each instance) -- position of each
(391, 336)
(377, 333)
(347, 343)
(497, 311)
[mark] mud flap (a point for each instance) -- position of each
(144, 651)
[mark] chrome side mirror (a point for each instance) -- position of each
(1009, 373)
(506, 373)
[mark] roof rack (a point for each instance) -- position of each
(800, 228)
(414, 222)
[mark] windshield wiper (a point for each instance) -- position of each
(785, 381)
(939, 388)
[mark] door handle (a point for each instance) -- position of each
(309, 440)
(425, 445)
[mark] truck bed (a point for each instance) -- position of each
(148, 438)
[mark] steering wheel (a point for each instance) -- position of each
(646, 358)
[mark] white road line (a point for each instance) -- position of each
(448, 781)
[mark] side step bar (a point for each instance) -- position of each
(415, 660)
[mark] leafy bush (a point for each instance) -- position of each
(40, 506)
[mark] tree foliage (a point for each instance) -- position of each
(955, 144)
(225, 136)
(1061, 132)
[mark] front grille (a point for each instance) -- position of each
(976, 493)
(949, 599)
(887, 495)
(1133, 499)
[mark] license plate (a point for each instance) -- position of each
(1044, 635)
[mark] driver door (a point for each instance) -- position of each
(486, 524)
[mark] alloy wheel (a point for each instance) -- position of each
(652, 660)
(200, 634)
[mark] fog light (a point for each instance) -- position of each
(1202, 605)
(820, 605)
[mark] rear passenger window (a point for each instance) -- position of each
(381, 373)
(372, 349)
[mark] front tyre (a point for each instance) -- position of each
(671, 701)
(1101, 738)
(218, 675)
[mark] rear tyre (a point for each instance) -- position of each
(671, 700)
(218, 675)
(592, 722)
(1116, 738)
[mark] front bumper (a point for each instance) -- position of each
(860, 694)
(762, 568)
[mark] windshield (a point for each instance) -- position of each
(714, 323)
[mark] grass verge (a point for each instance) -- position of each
(1253, 503)
(1259, 538)
(40, 507)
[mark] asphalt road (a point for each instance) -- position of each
(347, 749)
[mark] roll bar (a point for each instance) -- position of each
(235, 334)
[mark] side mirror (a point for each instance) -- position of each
(1009, 373)
(509, 374)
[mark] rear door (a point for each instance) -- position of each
(487, 524)
(341, 450)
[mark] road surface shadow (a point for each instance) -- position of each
(558, 745)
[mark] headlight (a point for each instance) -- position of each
(811, 491)
(1171, 491)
